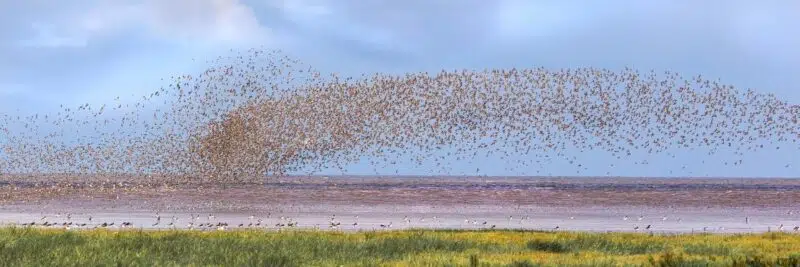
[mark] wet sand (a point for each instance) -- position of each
(584, 204)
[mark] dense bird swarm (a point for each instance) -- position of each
(259, 114)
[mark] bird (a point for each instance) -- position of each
(222, 124)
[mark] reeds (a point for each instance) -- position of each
(37, 247)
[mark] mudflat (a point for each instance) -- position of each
(376, 202)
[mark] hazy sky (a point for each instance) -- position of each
(71, 52)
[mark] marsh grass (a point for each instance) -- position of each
(40, 247)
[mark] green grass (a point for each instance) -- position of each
(38, 247)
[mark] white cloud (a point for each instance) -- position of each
(227, 21)
(303, 9)
(45, 37)
(520, 18)
(211, 21)
(375, 24)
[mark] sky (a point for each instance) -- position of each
(91, 51)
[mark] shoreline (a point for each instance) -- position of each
(584, 205)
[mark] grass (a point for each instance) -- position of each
(51, 247)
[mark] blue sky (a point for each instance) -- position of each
(74, 52)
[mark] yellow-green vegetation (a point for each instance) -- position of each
(37, 247)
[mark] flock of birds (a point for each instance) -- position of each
(194, 223)
(209, 223)
(260, 114)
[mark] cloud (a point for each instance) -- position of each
(333, 20)
(520, 19)
(45, 37)
(303, 9)
(228, 22)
